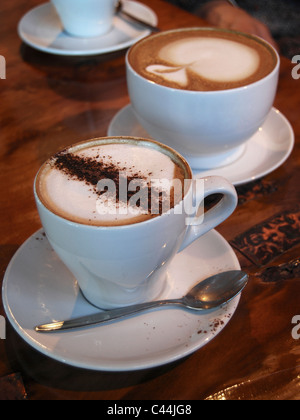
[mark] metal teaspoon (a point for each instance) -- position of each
(208, 294)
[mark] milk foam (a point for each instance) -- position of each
(214, 59)
(79, 201)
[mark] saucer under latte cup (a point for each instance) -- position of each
(85, 18)
(202, 91)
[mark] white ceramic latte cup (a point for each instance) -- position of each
(209, 128)
(117, 266)
(85, 18)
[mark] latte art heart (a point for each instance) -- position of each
(214, 59)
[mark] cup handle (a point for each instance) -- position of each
(202, 224)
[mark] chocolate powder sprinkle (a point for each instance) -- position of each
(86, 169)
(91, 171)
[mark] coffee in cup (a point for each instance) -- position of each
(203, 60)
(111, 183)
(116, 211)
(202, 91)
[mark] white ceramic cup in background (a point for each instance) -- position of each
(117, 266)
(85, 18)
(209, 128)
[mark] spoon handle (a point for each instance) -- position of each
(120, 10)
(233, 3)
(102, 317)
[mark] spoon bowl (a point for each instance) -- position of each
(216, 290)
(208, 294)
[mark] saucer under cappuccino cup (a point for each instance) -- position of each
(117, 245)
(202, 91)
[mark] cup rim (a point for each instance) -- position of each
(179, 159)
(212, 92)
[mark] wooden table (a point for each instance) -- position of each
(48, 102)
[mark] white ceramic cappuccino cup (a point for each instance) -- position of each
(209, 128)
(117, 266)
(85, 18)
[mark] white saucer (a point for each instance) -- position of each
(41, 28)
(37, 288)
(266, 151)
